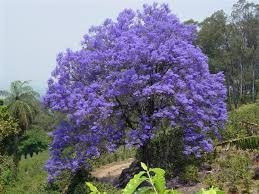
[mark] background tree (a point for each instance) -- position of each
(231, 43)
(22, 103)
(8, 128)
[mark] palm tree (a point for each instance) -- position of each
(23, 104)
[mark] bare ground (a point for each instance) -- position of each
(110, 172)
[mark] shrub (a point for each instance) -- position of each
(233, 171)
(190, 174)
(166, 151)
(211, 180)
(236, 171)
(34, 141)
(6, 172)
(236, 126)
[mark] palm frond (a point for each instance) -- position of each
(23, 112)
(250, 142)
(22, 102)
(4, 93)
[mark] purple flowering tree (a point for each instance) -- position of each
(130, 77)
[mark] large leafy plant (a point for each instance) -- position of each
(150, 181)
(154, 178)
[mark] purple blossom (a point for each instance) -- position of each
(129, 76)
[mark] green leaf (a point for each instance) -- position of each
(145, 190)
(92, 188)
(159, 179)
(134, 183)
(144, 166)
(171, 191)
(212, 190)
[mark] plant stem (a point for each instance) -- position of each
(151, 182)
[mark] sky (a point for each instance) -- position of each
(33, 32)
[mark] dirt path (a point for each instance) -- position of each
(109, 172)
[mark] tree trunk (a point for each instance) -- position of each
(253, 84)
(16, 157)
(235, 95)
(241, 82)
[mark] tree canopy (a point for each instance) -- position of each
(8, 125)
(131, 78)
(22, 102)
(231, 43)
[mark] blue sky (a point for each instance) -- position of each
(32, 32)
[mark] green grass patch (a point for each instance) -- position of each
(31, 176)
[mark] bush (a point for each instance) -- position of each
(6, 172)
(236, 172)
(190, 174)
(211, 180)
(233, 172)
(34, 141)
(166, 151)
(245, 114)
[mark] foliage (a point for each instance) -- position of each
(236, 171)
(212, 190)
(239, 122)
(34, 141)
(8, 125)
(211, 39)
(190, 174)
(211, 180)
(102, 188)
(165, 151)
(93, 189)
(22, 102)
(242, 128)
(132, 77)
(154, 177)
(233, 172)
(231, 43)
(31, 177)
(251, 142)
(151, 180)
(47, 120)
(106, 187)
(6, 172)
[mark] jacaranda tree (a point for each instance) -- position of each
(130, 77)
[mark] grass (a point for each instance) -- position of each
(31, 176)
